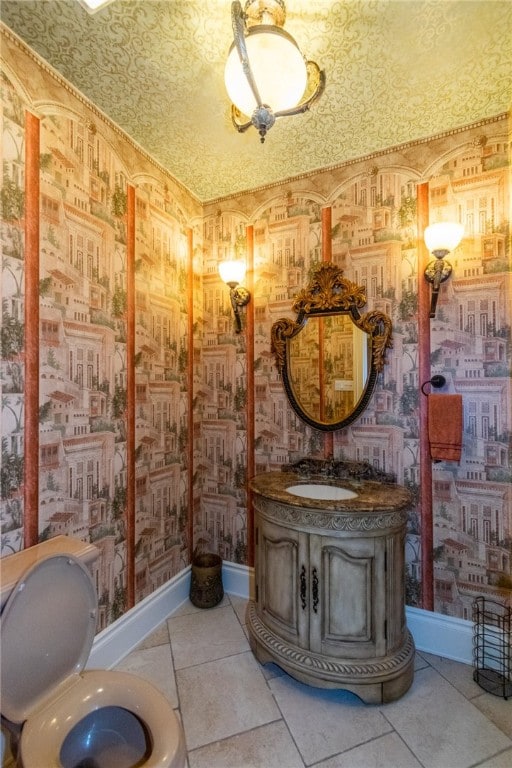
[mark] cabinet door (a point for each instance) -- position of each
(348, 597)
(281, 573)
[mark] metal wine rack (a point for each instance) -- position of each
(492, 654)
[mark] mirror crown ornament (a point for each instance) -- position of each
(329, 291)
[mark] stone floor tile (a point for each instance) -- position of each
(205, 635)
(155, 666)
(440, 726)
(159, 637)
(240, 606)
(324, 722)
(503, 760)
(271, 670)
(419, 661)
(459, 675)
(497, 710)
(387, 751)
(223, 697)
(269, 746)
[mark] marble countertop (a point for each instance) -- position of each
(372, 496)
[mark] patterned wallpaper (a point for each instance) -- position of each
(189, 478)
(113, 381)
(396, 71)
(374, 240)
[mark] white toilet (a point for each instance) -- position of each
(70, 718)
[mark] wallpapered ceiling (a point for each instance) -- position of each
(396, 71)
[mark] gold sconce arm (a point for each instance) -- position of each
(440, 239)
(436, 272)
(232, 273)
(239, 296)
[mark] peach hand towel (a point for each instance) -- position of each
(445, 427)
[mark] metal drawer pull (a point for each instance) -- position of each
(303, 589)
(315, 590)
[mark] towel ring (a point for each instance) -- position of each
(436, 381)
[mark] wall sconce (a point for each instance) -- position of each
(440, 239)
(278, 80)
(232, 273)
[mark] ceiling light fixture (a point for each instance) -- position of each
(266, 74)
(92, 6)
(440, 239)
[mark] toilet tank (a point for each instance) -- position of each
(14, 566)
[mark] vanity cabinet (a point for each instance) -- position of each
(329, 603)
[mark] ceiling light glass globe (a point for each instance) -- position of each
(278, 68)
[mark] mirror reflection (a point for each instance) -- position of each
(328, 366)
(329, 357)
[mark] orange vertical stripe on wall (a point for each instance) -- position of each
(190, 377)
(250, 393)
(427, 531)
(326, 233)
(327, 256)
(31, 415)
(130, 397)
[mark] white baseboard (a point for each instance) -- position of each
(238, 580)
(441, 635)
(432, 632)
(117, 640)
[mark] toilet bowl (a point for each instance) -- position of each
(73, 718)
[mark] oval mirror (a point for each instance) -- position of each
(329, 357)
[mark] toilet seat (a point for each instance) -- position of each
(45, 646)
(44, 733)
(46, 637)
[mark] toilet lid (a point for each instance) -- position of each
(48, 627)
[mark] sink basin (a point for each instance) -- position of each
(321, 492)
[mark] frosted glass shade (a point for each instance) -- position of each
(232, 271)
(278, 68)
(443, 236)
(91, 6)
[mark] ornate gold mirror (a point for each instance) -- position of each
(330, 356)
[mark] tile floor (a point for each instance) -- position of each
(239, 714)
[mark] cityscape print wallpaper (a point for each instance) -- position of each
(83, 332)
(161, 355)
(154, 413)
(83, 386)
(12, 369)
(373, 238)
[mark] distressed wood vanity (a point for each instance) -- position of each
(329, 603)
